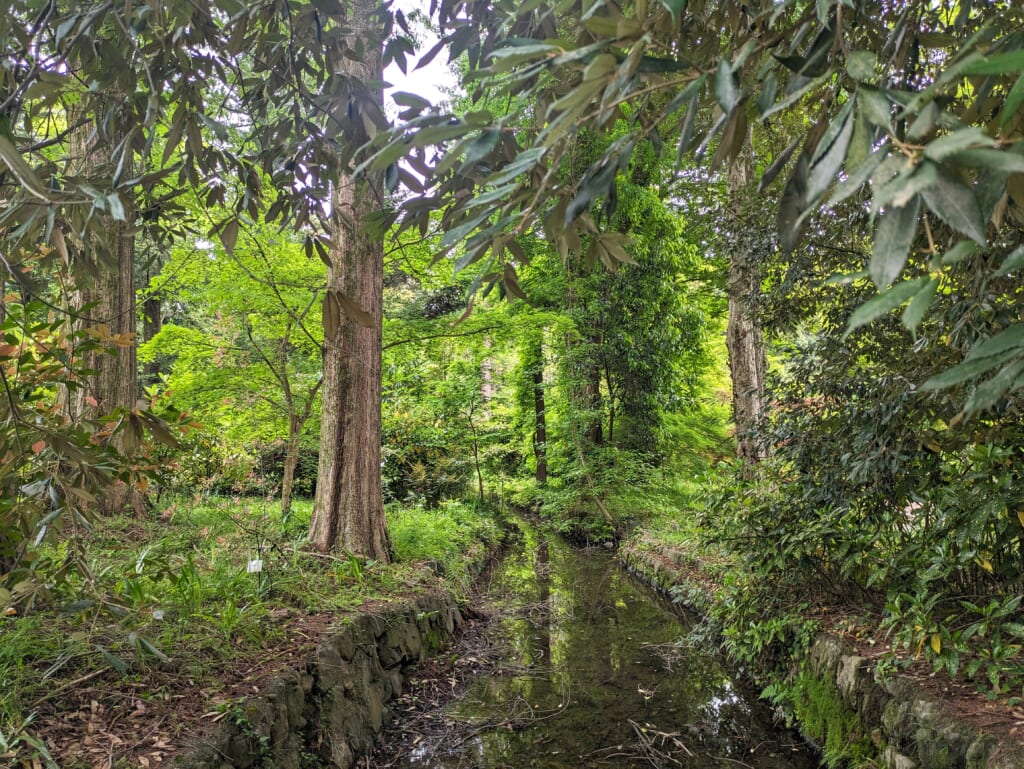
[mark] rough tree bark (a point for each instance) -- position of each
(540, 425)
(348, 512)
(744, 337)
(104, 307)
(152, 322)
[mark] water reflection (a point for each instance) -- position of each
(596, 680)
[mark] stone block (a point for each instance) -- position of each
(893, 759)
(824, 656)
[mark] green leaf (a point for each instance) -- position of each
(481, 146)
(965, 371)
(523, 162)
(686, 95)
(903, 188)
(860, 65)
(1014, 261)
(1000, 64)
(856, 175)
(1014, 101)
(777, 165)
(831, 152)
(956, 205)
(1000, 161)
(919, 304)
(876, 106)
(22, 171)
(893, 238)
(675, 7)
(406, 99)
(147, 646)
(1011, 338)
(726, 91)
(959, 252)
(884, 302)
(924, 124)
(789, 219)
(965, 138)
(113, 660)
(769, 87)
(229, 235)
(116, 207)
(988, 393)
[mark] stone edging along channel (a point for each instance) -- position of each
(329, 713)
(900, 726)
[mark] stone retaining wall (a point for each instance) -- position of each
(330, 712)
(902, 727)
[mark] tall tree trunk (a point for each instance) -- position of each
(476, 454)
(348, 512)
(744, 338)
(540, 425)
(592, 401)
(152, 322)
(104, 307)
(291, 461)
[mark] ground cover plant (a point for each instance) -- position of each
(194, 596)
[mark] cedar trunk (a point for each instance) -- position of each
(348, 512)
(540, 426)
(744, 337)
(104, 306)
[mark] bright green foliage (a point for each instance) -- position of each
(244, 350)
(822, 714)
(453, 536)
(913, 108)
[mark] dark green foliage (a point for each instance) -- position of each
(877, 493)
(54, 472)
(423, 461)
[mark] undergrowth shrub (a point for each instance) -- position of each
(453, 536)
(590, 502)
(422, 461)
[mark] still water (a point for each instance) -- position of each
(593, 675)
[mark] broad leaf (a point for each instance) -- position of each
(1014, 261)
(956, 205)
(1011, 338)
(726, 90)
(988, 393)
(966, 371)
(886, 301)
(999, 64)
(893, 238)
(919, 304)
(675, 7)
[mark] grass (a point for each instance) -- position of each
(201, 583)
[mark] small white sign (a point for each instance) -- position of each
(255, 566)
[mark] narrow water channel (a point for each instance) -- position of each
(593, 676)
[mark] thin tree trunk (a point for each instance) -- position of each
(291, 461)
(348, 512)
(744, 338)
(152, 322)
(476, 455)
(591, 397)
(540, 427)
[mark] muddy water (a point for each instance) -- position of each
(593, 676)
